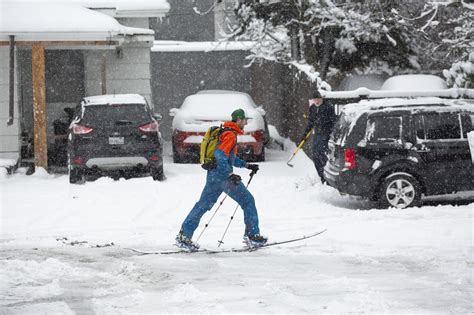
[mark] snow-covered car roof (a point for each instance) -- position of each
(416, 104)
(355, 81)
(114, 99)
(207, 108)
(414, 82)
(246, 95)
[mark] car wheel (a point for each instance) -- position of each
(157, 173)
(400, 190)
(76, 176)
(176, 158)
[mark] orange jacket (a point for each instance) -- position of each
(228, 139)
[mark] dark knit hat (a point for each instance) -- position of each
(238, 113)
(316, 94)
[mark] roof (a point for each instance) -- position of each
(119, 8)
(114, 99)
(45, 21)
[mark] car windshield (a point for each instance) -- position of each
(111, 115)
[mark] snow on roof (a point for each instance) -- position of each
(121, 8)
(114, 99)
(181, 46)
(414, 82)
(36, 20)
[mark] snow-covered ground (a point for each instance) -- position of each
(63, 248)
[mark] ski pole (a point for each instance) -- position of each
(209, 222)
(299, 147)
(232, 217)
(215, 212)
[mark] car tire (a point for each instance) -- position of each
(76, 176)
(400, 190)
(176, 158)
(157, 173)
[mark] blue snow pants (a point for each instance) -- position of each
(320, 150)
(213, 189)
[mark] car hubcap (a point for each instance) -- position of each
(400, 193)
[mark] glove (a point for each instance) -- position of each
(253, 167)
(234, 178)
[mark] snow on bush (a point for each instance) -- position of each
(461, 74)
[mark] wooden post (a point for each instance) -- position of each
(39, 106)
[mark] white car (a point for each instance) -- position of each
(414, 82)
(211, 108)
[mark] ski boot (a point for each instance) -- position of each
(254, 241)
(184, 242)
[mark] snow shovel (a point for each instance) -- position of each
(299, 147)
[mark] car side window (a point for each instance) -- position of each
(419, 128)
(440, 126)
(467, 122)
(386, 129)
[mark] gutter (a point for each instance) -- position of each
(11, 107)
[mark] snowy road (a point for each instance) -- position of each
(397, 261)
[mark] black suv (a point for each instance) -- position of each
(116, 134)
(395, 150)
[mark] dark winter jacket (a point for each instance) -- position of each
(322, 118)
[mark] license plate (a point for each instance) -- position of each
(116, 140)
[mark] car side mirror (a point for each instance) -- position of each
(173, 112)
(158, 117)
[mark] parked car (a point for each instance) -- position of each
(211, 108)
(355, 81)
(114, 134)
(414, 82)
(395, 150)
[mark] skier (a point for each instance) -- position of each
(321, 118)
(222, 179)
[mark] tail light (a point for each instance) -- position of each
(350, 158)
(79, 160)
(258, 135)
(80, 129)
(151, 127)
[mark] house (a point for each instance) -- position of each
(54, 53)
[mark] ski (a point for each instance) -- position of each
(165, 252)
(230, 250)
(252, 249)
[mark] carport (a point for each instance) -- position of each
(66, 26)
